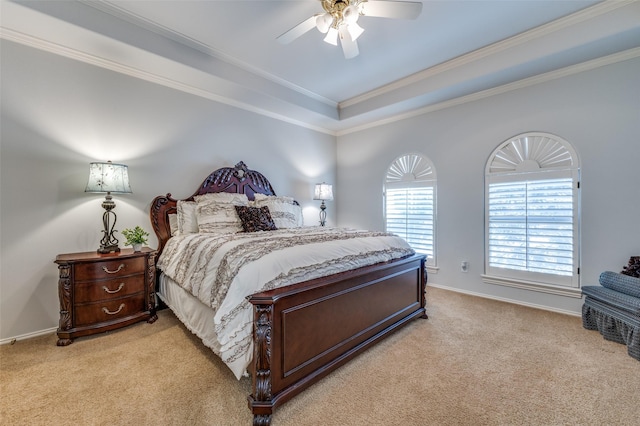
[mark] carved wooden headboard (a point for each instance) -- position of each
(238, 179)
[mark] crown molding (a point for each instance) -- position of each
(498, 47)
(521, 84)
(118, 12)
(60, 50)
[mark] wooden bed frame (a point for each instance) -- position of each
(304, 331)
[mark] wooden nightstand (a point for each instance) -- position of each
(101, 292)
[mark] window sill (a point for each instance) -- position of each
(533, 286)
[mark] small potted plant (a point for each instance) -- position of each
(136, 237)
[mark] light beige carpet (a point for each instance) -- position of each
(473, 362)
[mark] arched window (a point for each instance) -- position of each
(531, 214)
(410, 203)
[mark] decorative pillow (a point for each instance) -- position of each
(620, 282)
(633, 268)
(285, 215)
(216, 213)
(173, 224)
(255, 218)
(187, 220)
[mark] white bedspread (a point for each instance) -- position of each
(221, 270)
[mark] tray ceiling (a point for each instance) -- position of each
(227, 51)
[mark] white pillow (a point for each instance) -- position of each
(284, 199)
(187, 220)
(223, 197)
(173, 224)
(216, 213)
(284, 214)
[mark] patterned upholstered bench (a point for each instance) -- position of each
(613, 308)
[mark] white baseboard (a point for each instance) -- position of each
(11, 340)
(504, 299)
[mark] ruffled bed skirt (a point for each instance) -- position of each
(613, 326)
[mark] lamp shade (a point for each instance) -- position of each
(108, 177)
(332, 36)
(323, 22)
(323, 191)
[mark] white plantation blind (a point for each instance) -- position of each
(409, 214)
(410, 203)
(531, 226)
(532, 211)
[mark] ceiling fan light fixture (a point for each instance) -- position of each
(350, 14)
(340, 17)
(332, 36)
(323, 22)
(355, 30)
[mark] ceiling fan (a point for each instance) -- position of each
(339, 21)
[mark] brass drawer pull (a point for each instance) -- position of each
(106, 311)
(106, 289)
(104, 268)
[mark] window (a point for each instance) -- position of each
(532, 232)
(409, 193)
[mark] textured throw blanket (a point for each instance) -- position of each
(222, 270)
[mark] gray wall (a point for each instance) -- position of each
(597, 111)
(58, 115)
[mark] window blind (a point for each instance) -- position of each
(531, 226)
(409, 214)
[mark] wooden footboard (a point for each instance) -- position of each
(303, 332)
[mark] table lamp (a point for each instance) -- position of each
(108, 177)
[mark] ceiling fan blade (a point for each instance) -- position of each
(349, 46)
(392, 9)
(298, 30)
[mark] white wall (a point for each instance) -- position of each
(58, 115)
(597, 111)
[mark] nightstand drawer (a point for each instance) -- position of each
(109, 269)
(110, 310)
(93, 291)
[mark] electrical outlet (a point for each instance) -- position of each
(464, 266)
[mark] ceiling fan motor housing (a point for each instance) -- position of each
(337, 7)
